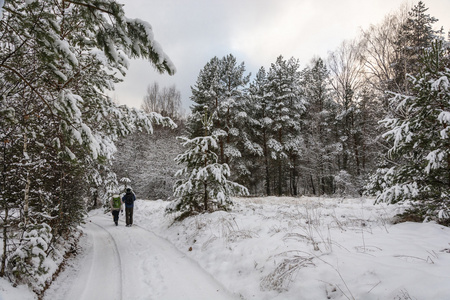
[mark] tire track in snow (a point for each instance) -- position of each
(119, 262)
(96, 274)
(172, 274)
(118, 258)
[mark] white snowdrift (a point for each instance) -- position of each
(312, 248)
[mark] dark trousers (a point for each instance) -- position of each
(115, 214)
(129, 215)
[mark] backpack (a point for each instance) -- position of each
(129, 199)
(116, 201)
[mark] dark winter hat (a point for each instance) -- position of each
(128, 190)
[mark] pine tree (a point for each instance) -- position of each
(220, 87)
(287, 108)
(204, 186)
(420, 138)
(205, 93)
(415, 35)
(319, 163)
(258, 131)
(57, 59)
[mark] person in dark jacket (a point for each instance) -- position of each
(129, 199)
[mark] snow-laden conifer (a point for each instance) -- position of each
(258, 132)
(287, 106)
(220, 87)
(419, 133)
(58, 128)
(319, 150)
(204, 184)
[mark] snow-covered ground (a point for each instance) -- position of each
(266, 248)
(132, 263)
(312, 248)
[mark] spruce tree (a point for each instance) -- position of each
(420, 138)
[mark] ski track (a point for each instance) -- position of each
(132, 263)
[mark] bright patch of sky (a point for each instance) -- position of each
(254, 31)
(2, 2)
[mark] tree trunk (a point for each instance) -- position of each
(5, 219)
(355, 147)
(266, 161)
(26, 195)
(205, 197)
(356, 153)
(312, 184)
(448, 170)
(5, 239)
(26, 200)
(320, 186)
(293, 175)
(221, 146)
(280, 175)
(280, 171)
(267, 177)
(344, 156)
(320, 177)
(294, 191)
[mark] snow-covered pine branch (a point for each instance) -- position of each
(58, 59)
(419, 139)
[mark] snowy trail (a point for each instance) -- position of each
(132, 263)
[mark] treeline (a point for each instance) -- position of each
(315, 130)
(287, 132)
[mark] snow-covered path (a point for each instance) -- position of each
(131, 263)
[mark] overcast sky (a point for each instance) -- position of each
(192, 32)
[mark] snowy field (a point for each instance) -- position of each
(266, 248)
(312, 248)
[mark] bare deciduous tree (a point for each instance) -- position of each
(347, 80)
(166, 101)
(379, 55)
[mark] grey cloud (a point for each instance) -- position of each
(255, 31)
